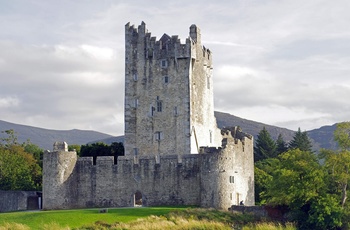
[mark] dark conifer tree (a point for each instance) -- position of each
(265, 146)
(300, 141)
(281, 145)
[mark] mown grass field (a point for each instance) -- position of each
(80, 217)
(156, 218)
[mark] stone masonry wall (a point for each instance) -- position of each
(187, 179)
(168, 94)
(18, 201)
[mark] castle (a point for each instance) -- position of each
(174, 152)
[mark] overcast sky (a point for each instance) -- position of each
(284, 63)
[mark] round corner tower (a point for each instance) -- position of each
(58, 183)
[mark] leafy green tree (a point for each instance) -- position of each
(75, 147)
(262, 177)
(265, 146)
(342, 135)
(296, 179)
(35, 150)
(281, 145)
(10, 140)
(325, 213)
(19, 170)
(299, 182)
(301, 141)
(338, 162)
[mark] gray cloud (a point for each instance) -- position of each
(282, 63)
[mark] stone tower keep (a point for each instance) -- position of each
(168, 94)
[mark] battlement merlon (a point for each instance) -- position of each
(236, 132)
(194, 40)
(60, 146)
(195, 34)
(237, 135)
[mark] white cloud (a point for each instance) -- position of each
(8, 102)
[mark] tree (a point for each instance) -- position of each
(281, 145)
(342, 135)
(19, 169)
(262, 177)
(296, 179)
(265, 146)
(301, 141)
(75, 147)
(11, 138)
(299, 182)
(101, 149)
(338, 162)
(35, 150)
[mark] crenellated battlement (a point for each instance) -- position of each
(168, 46)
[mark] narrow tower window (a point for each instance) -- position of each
(175, 111)
(163, 63)
(166, 79)
(152, 109)
(135, 103)
(159, 105)
(232, 179)
(158, 136)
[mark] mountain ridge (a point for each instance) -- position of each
(44, 138)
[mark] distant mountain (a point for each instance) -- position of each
(252, 127)
(45, 138)
(321, 138)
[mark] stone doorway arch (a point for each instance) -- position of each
(138, 199)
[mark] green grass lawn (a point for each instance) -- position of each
(80, 217)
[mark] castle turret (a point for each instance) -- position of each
(58, 182)
(195, 34)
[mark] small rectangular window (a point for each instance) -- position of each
(164, 63)
(136, 151)
(158, 136)
(159, 106)
(175, 111)
(135, 103)
(135, 77)
(152, 109)
(166, 79)
(232, 179)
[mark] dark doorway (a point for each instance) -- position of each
(138, 199)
